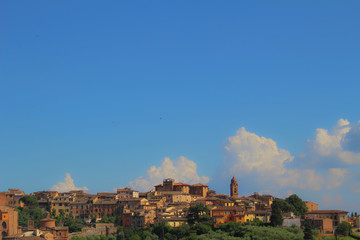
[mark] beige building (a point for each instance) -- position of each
(311, 206)
(125, 193)
(8, 222)
(337, 216)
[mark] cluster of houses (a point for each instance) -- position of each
(169, 201)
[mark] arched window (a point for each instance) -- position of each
(3, 234)
(4, 225)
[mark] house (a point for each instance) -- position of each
(325, 225)
(101, 208)
(337, 216)
(8, 221)
(13, 197)
(168, 185)
(222, 214)
(311, 206)
(126, 193)
(176, 221)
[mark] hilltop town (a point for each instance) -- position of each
(170, 202)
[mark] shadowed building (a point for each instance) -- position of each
(234, 188)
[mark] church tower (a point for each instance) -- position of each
(234, 188)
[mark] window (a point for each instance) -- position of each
(4, 225)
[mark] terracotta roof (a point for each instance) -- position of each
(326, 211)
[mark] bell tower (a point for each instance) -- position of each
(234, 188)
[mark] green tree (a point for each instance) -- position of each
(31, 210)
(276, 218)
(199, 213)
(344, 228)
(308, 231)
(284, 206)
(182, 231)
(161, 229)
(30, 201)
(299, 206)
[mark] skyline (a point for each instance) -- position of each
(126, 93)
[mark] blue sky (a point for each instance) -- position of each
(105, 90)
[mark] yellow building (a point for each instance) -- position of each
(61, 203)
(249, 216)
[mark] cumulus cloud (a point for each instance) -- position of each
(67, 185)
(181, 169)
(249, 156)
(248, 152)
(342, 144)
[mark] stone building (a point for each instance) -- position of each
(311, 206)
(127, 193)
(13, 197)
(169, 185)
(48, 225)
(337, 216)
(8, 222)
(234, 188)
(199, 190)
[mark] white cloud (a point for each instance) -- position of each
(181, 169)
(249, 156)
(339, 144)
(248, 152)
(67, 185)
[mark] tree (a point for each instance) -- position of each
(199, 213)
(276, 218)
(308, 231)
(182, 231)
(299, 206)
(161, 229)
(30, 201)
(343, 228)
(284, 206)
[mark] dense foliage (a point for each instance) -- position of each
(344, 229)
(30, 210)
(276, 218)
(291, 204)
(298, 205)
(308, 231)
(74, 224)
(224, 231)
